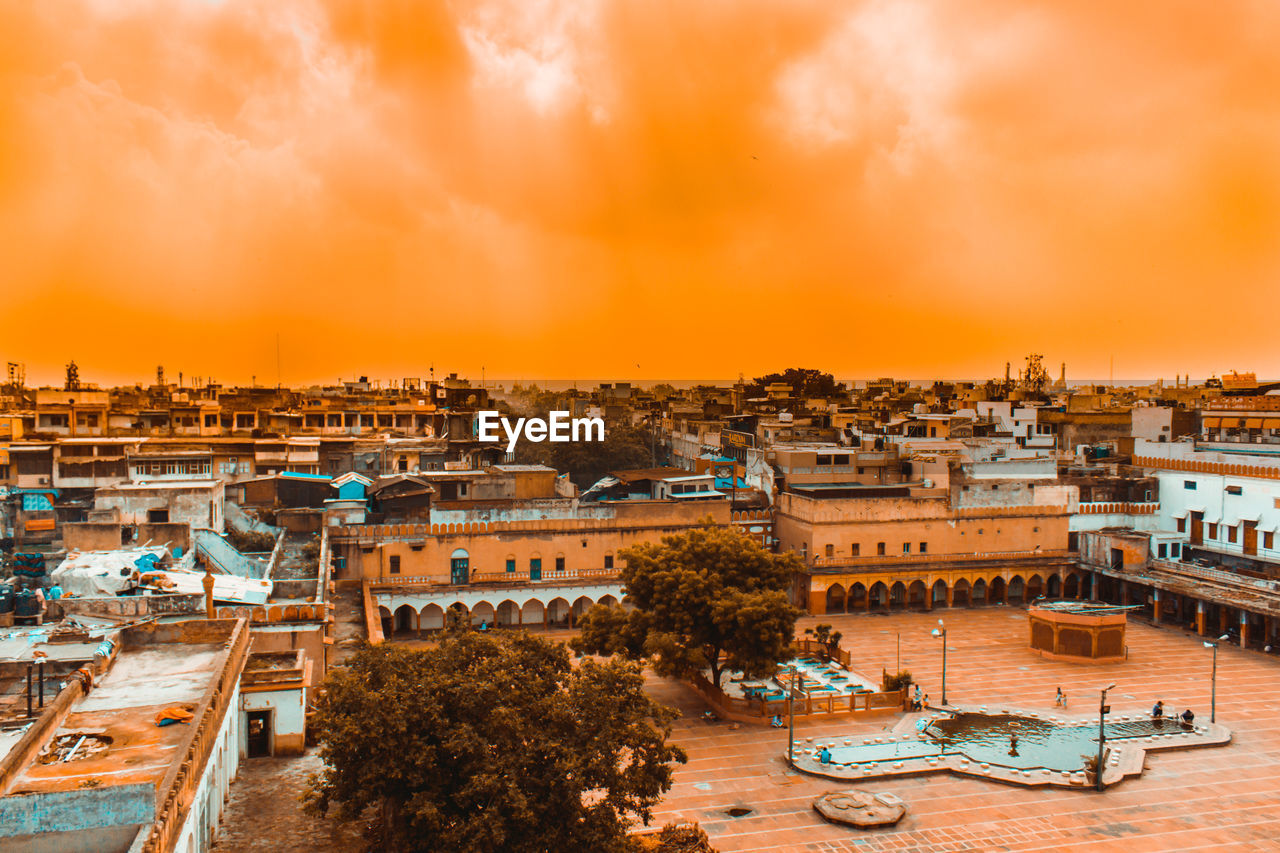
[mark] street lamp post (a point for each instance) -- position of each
(1102, 736)
(791, 719)
(941, 631)
(1213, 680)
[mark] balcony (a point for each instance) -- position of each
(881, 562)
(507, 579)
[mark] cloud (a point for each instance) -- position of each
(877, 187)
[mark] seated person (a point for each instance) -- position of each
(825, 756)
(776, 722)
(1158, 711)
(1188, 718)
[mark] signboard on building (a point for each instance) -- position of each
(732, 438)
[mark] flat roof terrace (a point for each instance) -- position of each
(95, 770)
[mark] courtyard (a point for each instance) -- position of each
(1221, 798)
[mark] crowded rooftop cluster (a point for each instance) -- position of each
(230, 545)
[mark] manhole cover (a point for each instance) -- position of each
(738, 811)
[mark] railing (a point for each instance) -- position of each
(520, 578)
(1116, 507)
(803, 705)
(1216, 575)
(934, 559)
(177, 790)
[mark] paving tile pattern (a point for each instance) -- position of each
(1220, 798)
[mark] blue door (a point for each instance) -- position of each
(459, 570)
(535, 569)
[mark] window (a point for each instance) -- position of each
(1189, 484)
(860, 470)
(608, 561)
(906, 547)
(157, 516)
(824, 460)
(924, 547)
(1182, 525)
(854, 548)
(831, 550)
(560, 563)
(394, 568)
(880, 549)
(462, 490)
(1162, 551)
(511, 565)
(1175, 550)
(1268, 540)
(1213, 531)
(1234, 490)
(1231, 533)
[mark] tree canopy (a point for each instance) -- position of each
(707, 599)
(804, 382)
(624, 446)
(492, 742)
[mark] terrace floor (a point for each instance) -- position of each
(1225, 798)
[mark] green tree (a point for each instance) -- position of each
(708, 599)
(624, 446)
(804, 382)
(491, 742)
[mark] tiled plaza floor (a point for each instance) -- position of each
(1219, 798)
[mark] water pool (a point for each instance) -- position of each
(985, 738)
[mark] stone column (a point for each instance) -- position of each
(950, 595)
(1244, 629)
(817, 602)
(1200, 618)
(1155, 606)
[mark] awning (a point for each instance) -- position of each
(1271, 423)
(1230, 423)
(4, 456)
(1253, 423)
(1212, 422)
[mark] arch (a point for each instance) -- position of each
(431, 618)
(507, 614)
(1053, 588)
(836, 599)
(878, 595)
(980, 593)
(459, 612)
(938, 592)
(558, 612)
(857, 596)
(897, 595)
(1017, 589)
(1035, 587)
(406, 619)
(996, 590)
(482, 614)
(580, 606)
(608, 601)
(916, 594)
(532, 612)
(1071, 586)
(961, 593)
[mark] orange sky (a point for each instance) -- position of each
(638, 189)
